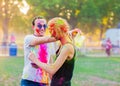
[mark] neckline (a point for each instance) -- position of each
(36, 35)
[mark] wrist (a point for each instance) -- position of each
(36, 61)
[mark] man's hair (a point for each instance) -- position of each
(38, 17)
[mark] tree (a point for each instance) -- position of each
(87, 14)
(8, 9)
(56, 8)
(11, 14)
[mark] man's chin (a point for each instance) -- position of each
(41, 35)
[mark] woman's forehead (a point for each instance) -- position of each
(41, 21)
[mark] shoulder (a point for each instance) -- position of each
(70, 50)
(68, 46)
(28, 38)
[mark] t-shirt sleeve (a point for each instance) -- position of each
(28, 39)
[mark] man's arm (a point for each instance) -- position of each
(40, 40)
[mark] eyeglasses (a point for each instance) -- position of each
(40, 26)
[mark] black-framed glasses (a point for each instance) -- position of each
(40, 26)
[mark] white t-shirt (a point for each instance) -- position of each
(29, 72)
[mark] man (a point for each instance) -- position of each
(32, 75)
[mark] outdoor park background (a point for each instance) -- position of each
(93, 17)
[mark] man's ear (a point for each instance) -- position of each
(32, 27)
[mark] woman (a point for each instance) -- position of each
(62, 69)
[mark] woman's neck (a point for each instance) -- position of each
(65, 39)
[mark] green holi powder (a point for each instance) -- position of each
(60, 22)
(33, 50)
(64, 46)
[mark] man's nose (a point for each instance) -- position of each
(42, 28)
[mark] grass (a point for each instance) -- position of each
(89, 71)
(10, 71)
(102, 71)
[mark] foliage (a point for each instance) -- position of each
(11, 17)
(89, 12)
(56, 8)
(84, 14)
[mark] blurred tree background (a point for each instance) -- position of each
(91, 16)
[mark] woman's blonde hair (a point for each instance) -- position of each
(59, 25)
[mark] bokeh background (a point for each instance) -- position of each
(93, 17)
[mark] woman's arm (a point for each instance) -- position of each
(52, 68)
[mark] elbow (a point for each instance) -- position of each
(51, 69)
(33, 43)
(52, 72)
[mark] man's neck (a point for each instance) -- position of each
(37, 35)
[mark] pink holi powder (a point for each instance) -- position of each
(42, 54)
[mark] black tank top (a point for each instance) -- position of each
(63, 76)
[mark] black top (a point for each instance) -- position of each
(63, 76)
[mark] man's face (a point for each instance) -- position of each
(40, 26)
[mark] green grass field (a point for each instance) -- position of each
(89, 71)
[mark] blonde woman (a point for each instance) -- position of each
(62, 69)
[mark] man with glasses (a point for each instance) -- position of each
(37, 43)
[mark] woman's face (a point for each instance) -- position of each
(54, 33)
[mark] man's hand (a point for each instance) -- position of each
(33, 59)
(75, 31)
